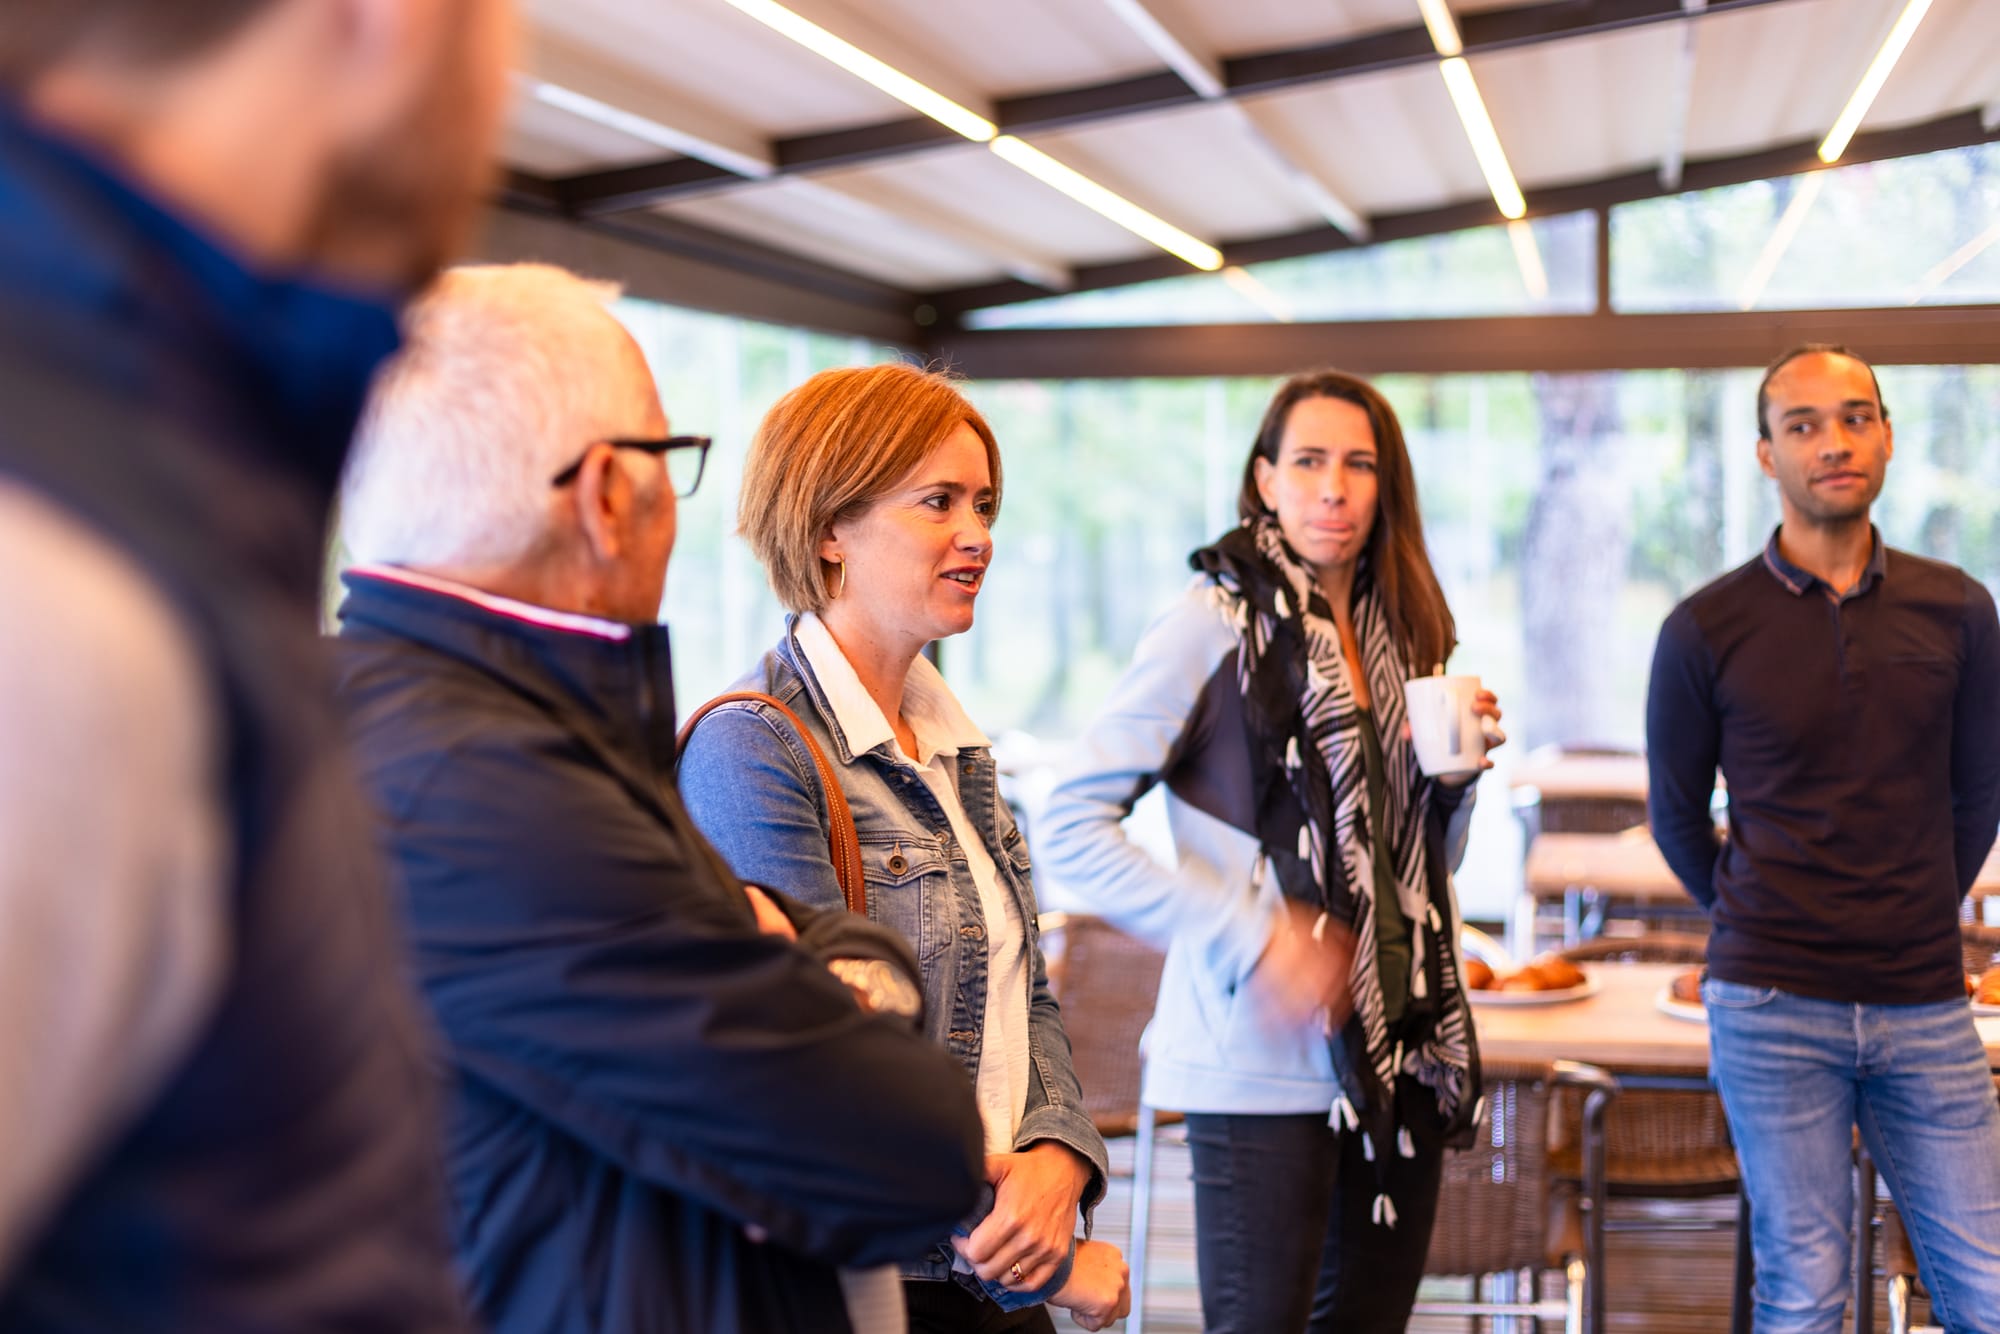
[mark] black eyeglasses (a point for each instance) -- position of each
(686, 456)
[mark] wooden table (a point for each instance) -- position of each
(1579, 868)
(1560, 776)
(1620, 1028)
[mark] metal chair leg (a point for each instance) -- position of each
(1899, 1304)
(1864, 1243)
(1506, 1290)
(1573, 1286)
(1742, 1302)
(1142, 1217)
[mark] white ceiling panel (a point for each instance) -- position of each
(1776, 74)
(1954, 60)
(974, 184)
(1575, 111)
(718, 58)
(1246, 27)
(552, 142)
(1388, 143)
(1017, 47)
(725, 87)
(794, 217)
(1193, 166)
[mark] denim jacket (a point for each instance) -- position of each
(752, 789)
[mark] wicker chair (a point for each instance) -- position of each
(1980, 946)
(1659, 1143)
(1899, 1258)
(1107, 982)
(1500, 1211)
(1980, 950)
(1900, 1262)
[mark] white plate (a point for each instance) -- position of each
(1563, 997)
(1668, 1004)
(1985, 1011)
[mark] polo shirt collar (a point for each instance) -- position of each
(939, 721)
(1799, 582)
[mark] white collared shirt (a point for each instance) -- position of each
(942, 729)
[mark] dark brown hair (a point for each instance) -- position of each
(1792, 355)
(38, 35)
(1418, 617)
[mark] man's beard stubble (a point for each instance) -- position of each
(395, 212)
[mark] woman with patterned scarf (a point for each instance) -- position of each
(1311, 1020)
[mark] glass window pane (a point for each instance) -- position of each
(1547, 266)
(1916, 230)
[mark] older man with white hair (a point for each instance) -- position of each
(664, 1118)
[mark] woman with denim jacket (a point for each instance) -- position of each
(1310, 1019)
(869, 496)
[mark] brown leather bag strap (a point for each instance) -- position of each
(843, 844)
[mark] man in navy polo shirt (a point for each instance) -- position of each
(1850, 694)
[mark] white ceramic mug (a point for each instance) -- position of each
(1448, 735)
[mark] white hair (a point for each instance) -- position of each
(508, 373)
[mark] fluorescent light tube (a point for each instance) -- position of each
(1485, 140)
(1871, 83)
(1444, 31)
(1113, 206)
(859, 63)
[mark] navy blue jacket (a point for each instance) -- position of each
(639, 1072)
(195, 415)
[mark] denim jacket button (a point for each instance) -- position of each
(898, 864)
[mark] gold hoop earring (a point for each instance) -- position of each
(840, 588)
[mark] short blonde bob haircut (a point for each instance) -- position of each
(831, 448)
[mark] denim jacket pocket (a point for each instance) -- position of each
(909, 893)
(1735, 995)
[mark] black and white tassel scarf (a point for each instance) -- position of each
(1313, 824)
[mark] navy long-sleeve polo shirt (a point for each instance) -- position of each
(1860, 738)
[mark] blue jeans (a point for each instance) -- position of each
(1797, 1075)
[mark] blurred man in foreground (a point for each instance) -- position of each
(213, 1092)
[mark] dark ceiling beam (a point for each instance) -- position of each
(666, 259)
(1959, 130)
(526, 191)
(626, 189)
(865, 143)
(1923, 335)
(1035, 112)
(1483, 32)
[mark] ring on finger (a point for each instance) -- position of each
(1014, 1274)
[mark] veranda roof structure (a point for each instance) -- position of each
(713, 161)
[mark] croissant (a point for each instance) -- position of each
(1556, 973)
(1988, 992)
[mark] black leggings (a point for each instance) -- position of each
(946, 1308)
(1284, 1233)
